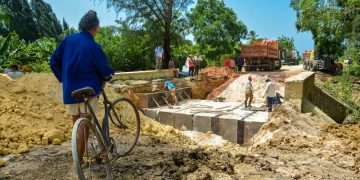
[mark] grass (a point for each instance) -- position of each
(342, 88)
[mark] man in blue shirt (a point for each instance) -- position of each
(159, 53)
(80, 62)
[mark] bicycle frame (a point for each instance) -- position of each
(105, 124)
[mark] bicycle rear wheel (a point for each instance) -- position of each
(90, 159)
(125, 127)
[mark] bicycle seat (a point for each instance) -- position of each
(83, 93)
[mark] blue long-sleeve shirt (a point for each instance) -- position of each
(79, 62)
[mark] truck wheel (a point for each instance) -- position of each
(313, 67)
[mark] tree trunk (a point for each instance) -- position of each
(167, 33)
(167, 49)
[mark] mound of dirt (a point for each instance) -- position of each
(286, 126)
(218, 72)
(30, 115)
(305, 146)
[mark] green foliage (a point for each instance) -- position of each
(341, 87)
(17, 51)
(46, 22)
(252, 36)
(216, 28)
(4, 20)
(65, 25)
(167, 16)
(30, 22)
(21, 19)
(333, 24)
(354, 70)
(286, 43)
(181, 52)
(127, 50)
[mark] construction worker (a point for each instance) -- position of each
(248, 92)
(269, 94)
(171, 87)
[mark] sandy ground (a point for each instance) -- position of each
(235, 90)
(290, 146)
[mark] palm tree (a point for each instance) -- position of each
(252, 36)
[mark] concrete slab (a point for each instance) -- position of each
(166, 116)
(183, 120)
(146, 99)
(230, 128)
(204, 122)
(152, 113)
(227, 119)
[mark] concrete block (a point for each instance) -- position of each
(166, 117)
(252, 124)
(230, 128)
(183, 120)
(250, 129)
(152, 113)
(204, 122)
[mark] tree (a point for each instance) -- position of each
(286, 43)
(216, 28)
(166, 14)
(324, 19)
(252, 36)
(4, 21)
(46, 22)
(21, 19)
(65, 25)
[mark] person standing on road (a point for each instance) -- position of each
(80, 62)
(269, 94)
(159, 55)
(190, 64)
(249, 92)
(197, 63)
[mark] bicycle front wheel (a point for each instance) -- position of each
(88, 151)
(125, 127)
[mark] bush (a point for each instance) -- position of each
(17, 51)
(127, 50)
(354, 70)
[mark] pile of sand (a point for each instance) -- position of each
(288, 127)
(30, 114)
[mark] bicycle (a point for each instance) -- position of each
(106, 143)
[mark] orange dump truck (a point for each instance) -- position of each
(261, 55)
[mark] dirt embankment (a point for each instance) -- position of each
(30, 115)
(304, 146)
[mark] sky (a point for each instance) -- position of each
(268, 18)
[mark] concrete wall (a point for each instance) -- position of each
(298, 87)
(302, 91)
(146, 75)
(329, 105)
